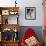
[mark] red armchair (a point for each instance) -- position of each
(29, 34)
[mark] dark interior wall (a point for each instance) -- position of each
(37, 29)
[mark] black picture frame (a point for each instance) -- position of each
(30, 13)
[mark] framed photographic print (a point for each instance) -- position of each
(5, 12)
(30, 13)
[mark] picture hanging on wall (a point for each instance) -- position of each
(30, 13)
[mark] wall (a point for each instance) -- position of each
(27, 3)
(39, 12)
(37, 29)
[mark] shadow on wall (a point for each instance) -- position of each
(37, 29)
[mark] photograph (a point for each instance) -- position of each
(30, 13)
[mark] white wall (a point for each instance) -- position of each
(27, 3)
